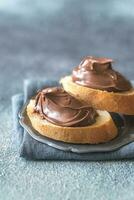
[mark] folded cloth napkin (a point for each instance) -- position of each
(34, 150)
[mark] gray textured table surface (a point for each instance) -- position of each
(47, 39)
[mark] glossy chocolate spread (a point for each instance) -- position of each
(60, 108)
(97, 73)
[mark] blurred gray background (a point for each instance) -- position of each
(48, 38)
(40, 38)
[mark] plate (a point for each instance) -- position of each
(124, 136)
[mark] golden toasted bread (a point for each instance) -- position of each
(103, 130)
(119, 102)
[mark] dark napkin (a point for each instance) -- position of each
(29, 148)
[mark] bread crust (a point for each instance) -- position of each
(102, 131)
(113, 102)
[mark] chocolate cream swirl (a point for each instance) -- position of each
(60, 108)
(97, 73)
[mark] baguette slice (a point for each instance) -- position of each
(102, 131)
(119, 102)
